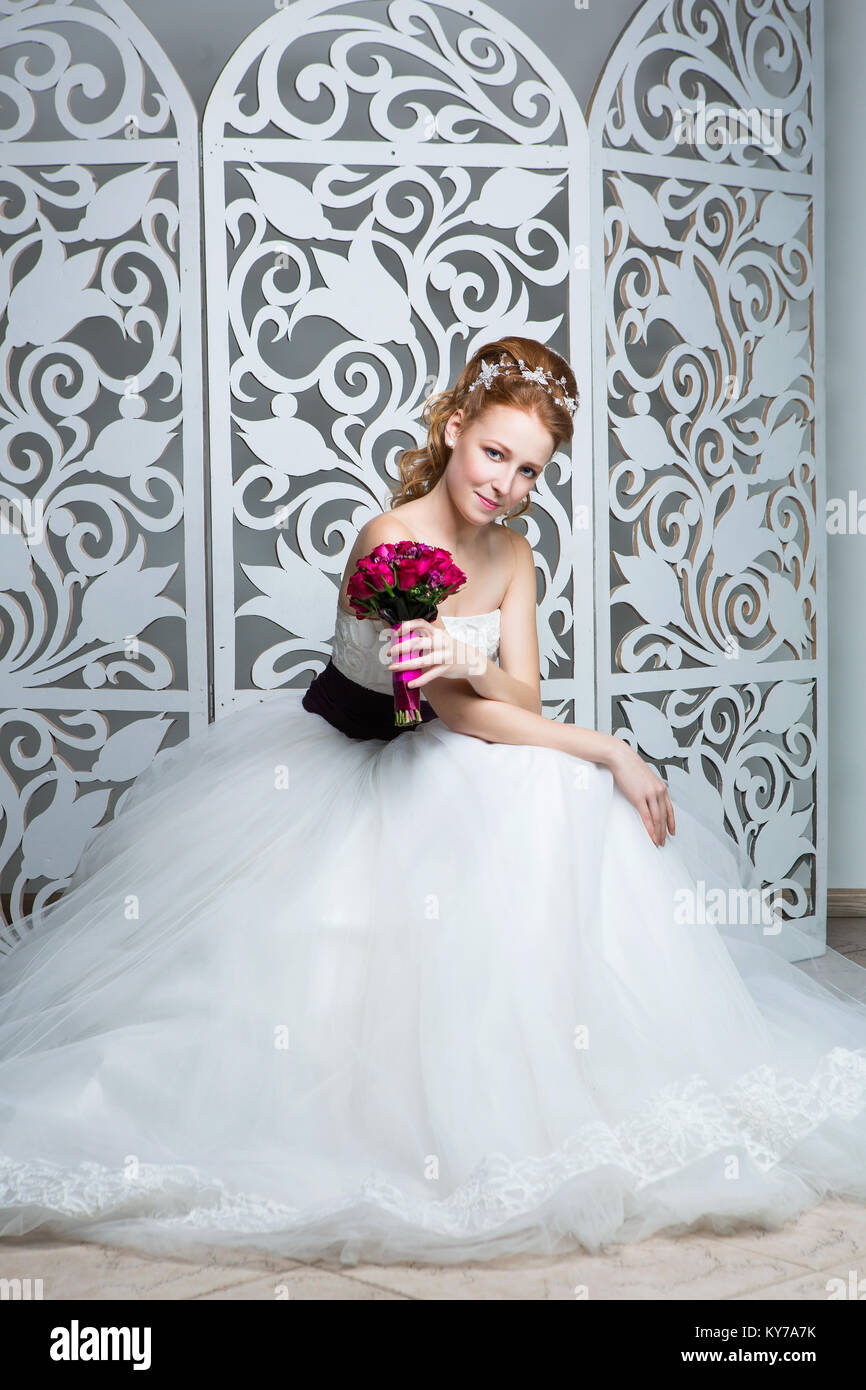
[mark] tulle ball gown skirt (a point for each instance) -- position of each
(420, 999)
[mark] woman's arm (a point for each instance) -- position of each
(456, 660)
(458, 706)
(463, 709)
(515, 680)
(492, 683)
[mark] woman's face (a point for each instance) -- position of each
(497, 457)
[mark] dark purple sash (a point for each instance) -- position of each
(355, 710)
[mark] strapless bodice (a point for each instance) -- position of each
(355, 692)
(360, 644)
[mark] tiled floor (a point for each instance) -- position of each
(795, 1262)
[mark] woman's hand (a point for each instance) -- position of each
(646, 791)
(419, 643)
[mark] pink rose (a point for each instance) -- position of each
(379, 575)
(451, 575)
(408, 572)
(425, 564)
(358, 587)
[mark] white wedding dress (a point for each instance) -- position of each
(424, 999)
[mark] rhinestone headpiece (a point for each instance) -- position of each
(542, 375)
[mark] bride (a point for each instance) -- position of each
(338, 989)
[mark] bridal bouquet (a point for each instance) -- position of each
(406, 579)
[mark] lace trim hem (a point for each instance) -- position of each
(764, 1112)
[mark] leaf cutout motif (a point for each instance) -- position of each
(119, 204)
(54, 841)
(776, 360)
(687, 306)
(294, 595)
(127, 448)
(740, 536)
(288, 205)
(780, 218)
(782, 452)
(128, 752)
(780, 843)
(644, 215)
(651, 729)
(787, 611)
(290, 446)
(359, 294)
(653, 589)
(125, 600)
(783, 707)
(51, 299)
(511, 197)
(644, 441)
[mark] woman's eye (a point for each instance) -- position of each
(526, 469)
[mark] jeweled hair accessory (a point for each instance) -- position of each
(489, 370)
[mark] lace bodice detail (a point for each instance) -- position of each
(359, 644)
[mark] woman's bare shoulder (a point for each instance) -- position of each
(379, 530)
(513, 541)
(514, 549)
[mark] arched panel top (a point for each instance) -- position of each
(443, 73)
(89, 69)
(724, 82)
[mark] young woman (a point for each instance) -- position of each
(336, 989)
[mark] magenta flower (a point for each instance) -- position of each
(397, 581)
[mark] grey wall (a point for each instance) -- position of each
(846, 432)
(199, 35)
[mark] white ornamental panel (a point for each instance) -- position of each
(103, 654)
(707, 208)
(386, 188)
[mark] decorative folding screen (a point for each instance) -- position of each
(103, 652)
(707, 209)
(386, 188)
